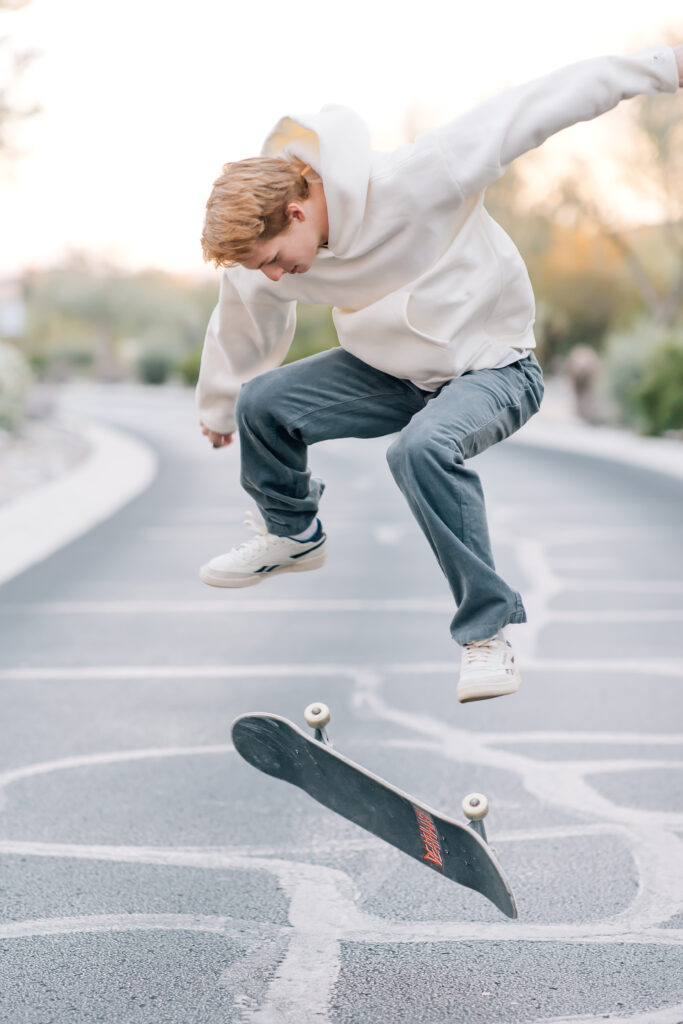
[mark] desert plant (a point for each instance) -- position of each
(627, 357)
(659, 396)
(314, 333)
(15, 383)
(188, 366)
(154, 367)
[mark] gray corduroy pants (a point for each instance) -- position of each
(334, 394)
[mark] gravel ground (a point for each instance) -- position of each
(43, 450)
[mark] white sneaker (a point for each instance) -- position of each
(263, 556)
(487, 670)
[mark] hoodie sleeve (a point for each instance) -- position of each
(479, 145)
(249, 332)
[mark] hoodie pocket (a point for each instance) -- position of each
(383, 336)
(385, 321)
(409, 318)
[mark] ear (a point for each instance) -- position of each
(295, 212)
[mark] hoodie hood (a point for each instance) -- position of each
(336, 143)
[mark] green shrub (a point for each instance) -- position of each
(188, 366)
(154, 367)
(315, 332)
(627, 357)
(659, 396)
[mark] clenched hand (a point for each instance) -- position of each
(217, 440)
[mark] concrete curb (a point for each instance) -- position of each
(660, 454)
(36, 524)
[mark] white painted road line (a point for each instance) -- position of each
(670, 1015)
(113, 757)
(327, 911)
(232, 605)
(671, 668)
(133, 923)
(235, 606)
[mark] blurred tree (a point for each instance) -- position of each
(88, 313)
(652, 171)
(582, 288)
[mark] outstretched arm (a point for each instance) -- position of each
(479, 145)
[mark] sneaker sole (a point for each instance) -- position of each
(480, 691)
(214, 579)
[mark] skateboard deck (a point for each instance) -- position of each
(277, 747)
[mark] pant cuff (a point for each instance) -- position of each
(487, 630)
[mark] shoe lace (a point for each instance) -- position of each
(254, 521)
(482, 652)
(248, 548)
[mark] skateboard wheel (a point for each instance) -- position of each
(317, 715)
(475, 806)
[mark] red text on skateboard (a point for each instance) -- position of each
(429, 836)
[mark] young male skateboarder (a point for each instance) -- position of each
(434, 312)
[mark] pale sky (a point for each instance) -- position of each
(144, 100)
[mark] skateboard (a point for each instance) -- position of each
(459, 852)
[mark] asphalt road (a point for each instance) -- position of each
(149, 874)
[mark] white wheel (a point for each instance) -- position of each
(475, 806)
(317, 715)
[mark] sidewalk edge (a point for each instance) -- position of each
(35, 525)
(658, 454)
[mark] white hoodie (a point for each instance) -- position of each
(423, 283)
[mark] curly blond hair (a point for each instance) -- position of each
(248, 204)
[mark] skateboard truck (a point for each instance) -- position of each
(317, 715)
(475, 807)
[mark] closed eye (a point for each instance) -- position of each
(266, 263)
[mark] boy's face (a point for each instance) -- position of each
(290, 252)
